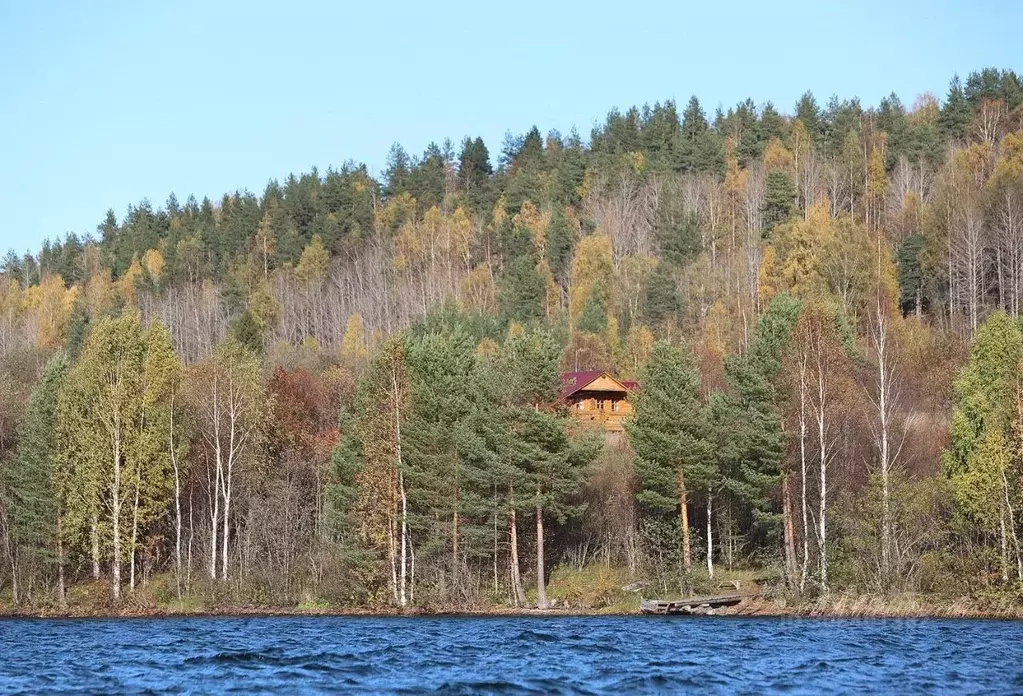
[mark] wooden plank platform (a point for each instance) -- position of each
(690, 605)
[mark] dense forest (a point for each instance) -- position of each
(345, 389)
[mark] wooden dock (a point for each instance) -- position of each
(690, 605)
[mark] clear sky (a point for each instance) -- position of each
(105, 103)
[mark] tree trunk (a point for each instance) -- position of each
(518, 592)
(1005, 547)
(412, 577)
(94, 543)
(1012, 526)
(454, 546)
(215, 512)
(884, 408)
(134, 530)
(789, 530)
(805, 571)
(226, 526)
(177, 504)
(710, 537)
(402, 599)
(61, 587)
(495, 542)
(687, 548)
(191, 534)
(9, 547)
(822, 536)
(115, 509)
(541, 581)
(392, 552)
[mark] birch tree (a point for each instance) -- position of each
(230, 407)
(383, 503)
(101, 410)
(885, 394)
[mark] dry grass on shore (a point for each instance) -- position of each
(592, 590)
(847, 605)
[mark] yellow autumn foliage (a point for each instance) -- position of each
(639, 344)
(353, 343)
(776, 156)
(592, 263)
(154, 263)
(314, 262)
(52, 305)
(127, 284)
(478, 293)
(536, 222)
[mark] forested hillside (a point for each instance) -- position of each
(345, 388)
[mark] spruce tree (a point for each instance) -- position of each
(594, 315)
(247, 330)
(559, 245)
(522, 291)
(955, 112)
(660, 296)
(983, 474)
(474, 172)
(779, 199)
(747, 420)
(29, 486)
(911, 283)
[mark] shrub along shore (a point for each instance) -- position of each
(582, 593)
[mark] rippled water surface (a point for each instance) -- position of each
(510, 655)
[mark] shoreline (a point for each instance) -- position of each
(754, 606)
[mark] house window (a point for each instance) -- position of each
(600, 404)
(615, 405)
(581, 404)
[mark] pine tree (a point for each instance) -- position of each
(699, 149)
(670, 433)
(809, 113)
(554, 466)
(441, 442)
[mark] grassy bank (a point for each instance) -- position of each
(846, 605)
(594, 590)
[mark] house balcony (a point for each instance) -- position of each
(612, 421)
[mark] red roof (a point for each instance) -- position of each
(571, 382)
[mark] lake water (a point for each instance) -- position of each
(510, 655)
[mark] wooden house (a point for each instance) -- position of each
(597, 397)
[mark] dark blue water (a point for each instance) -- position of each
(510, 655)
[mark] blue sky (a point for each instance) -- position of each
(103, 104)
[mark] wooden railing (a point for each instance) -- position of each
(612, 420)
